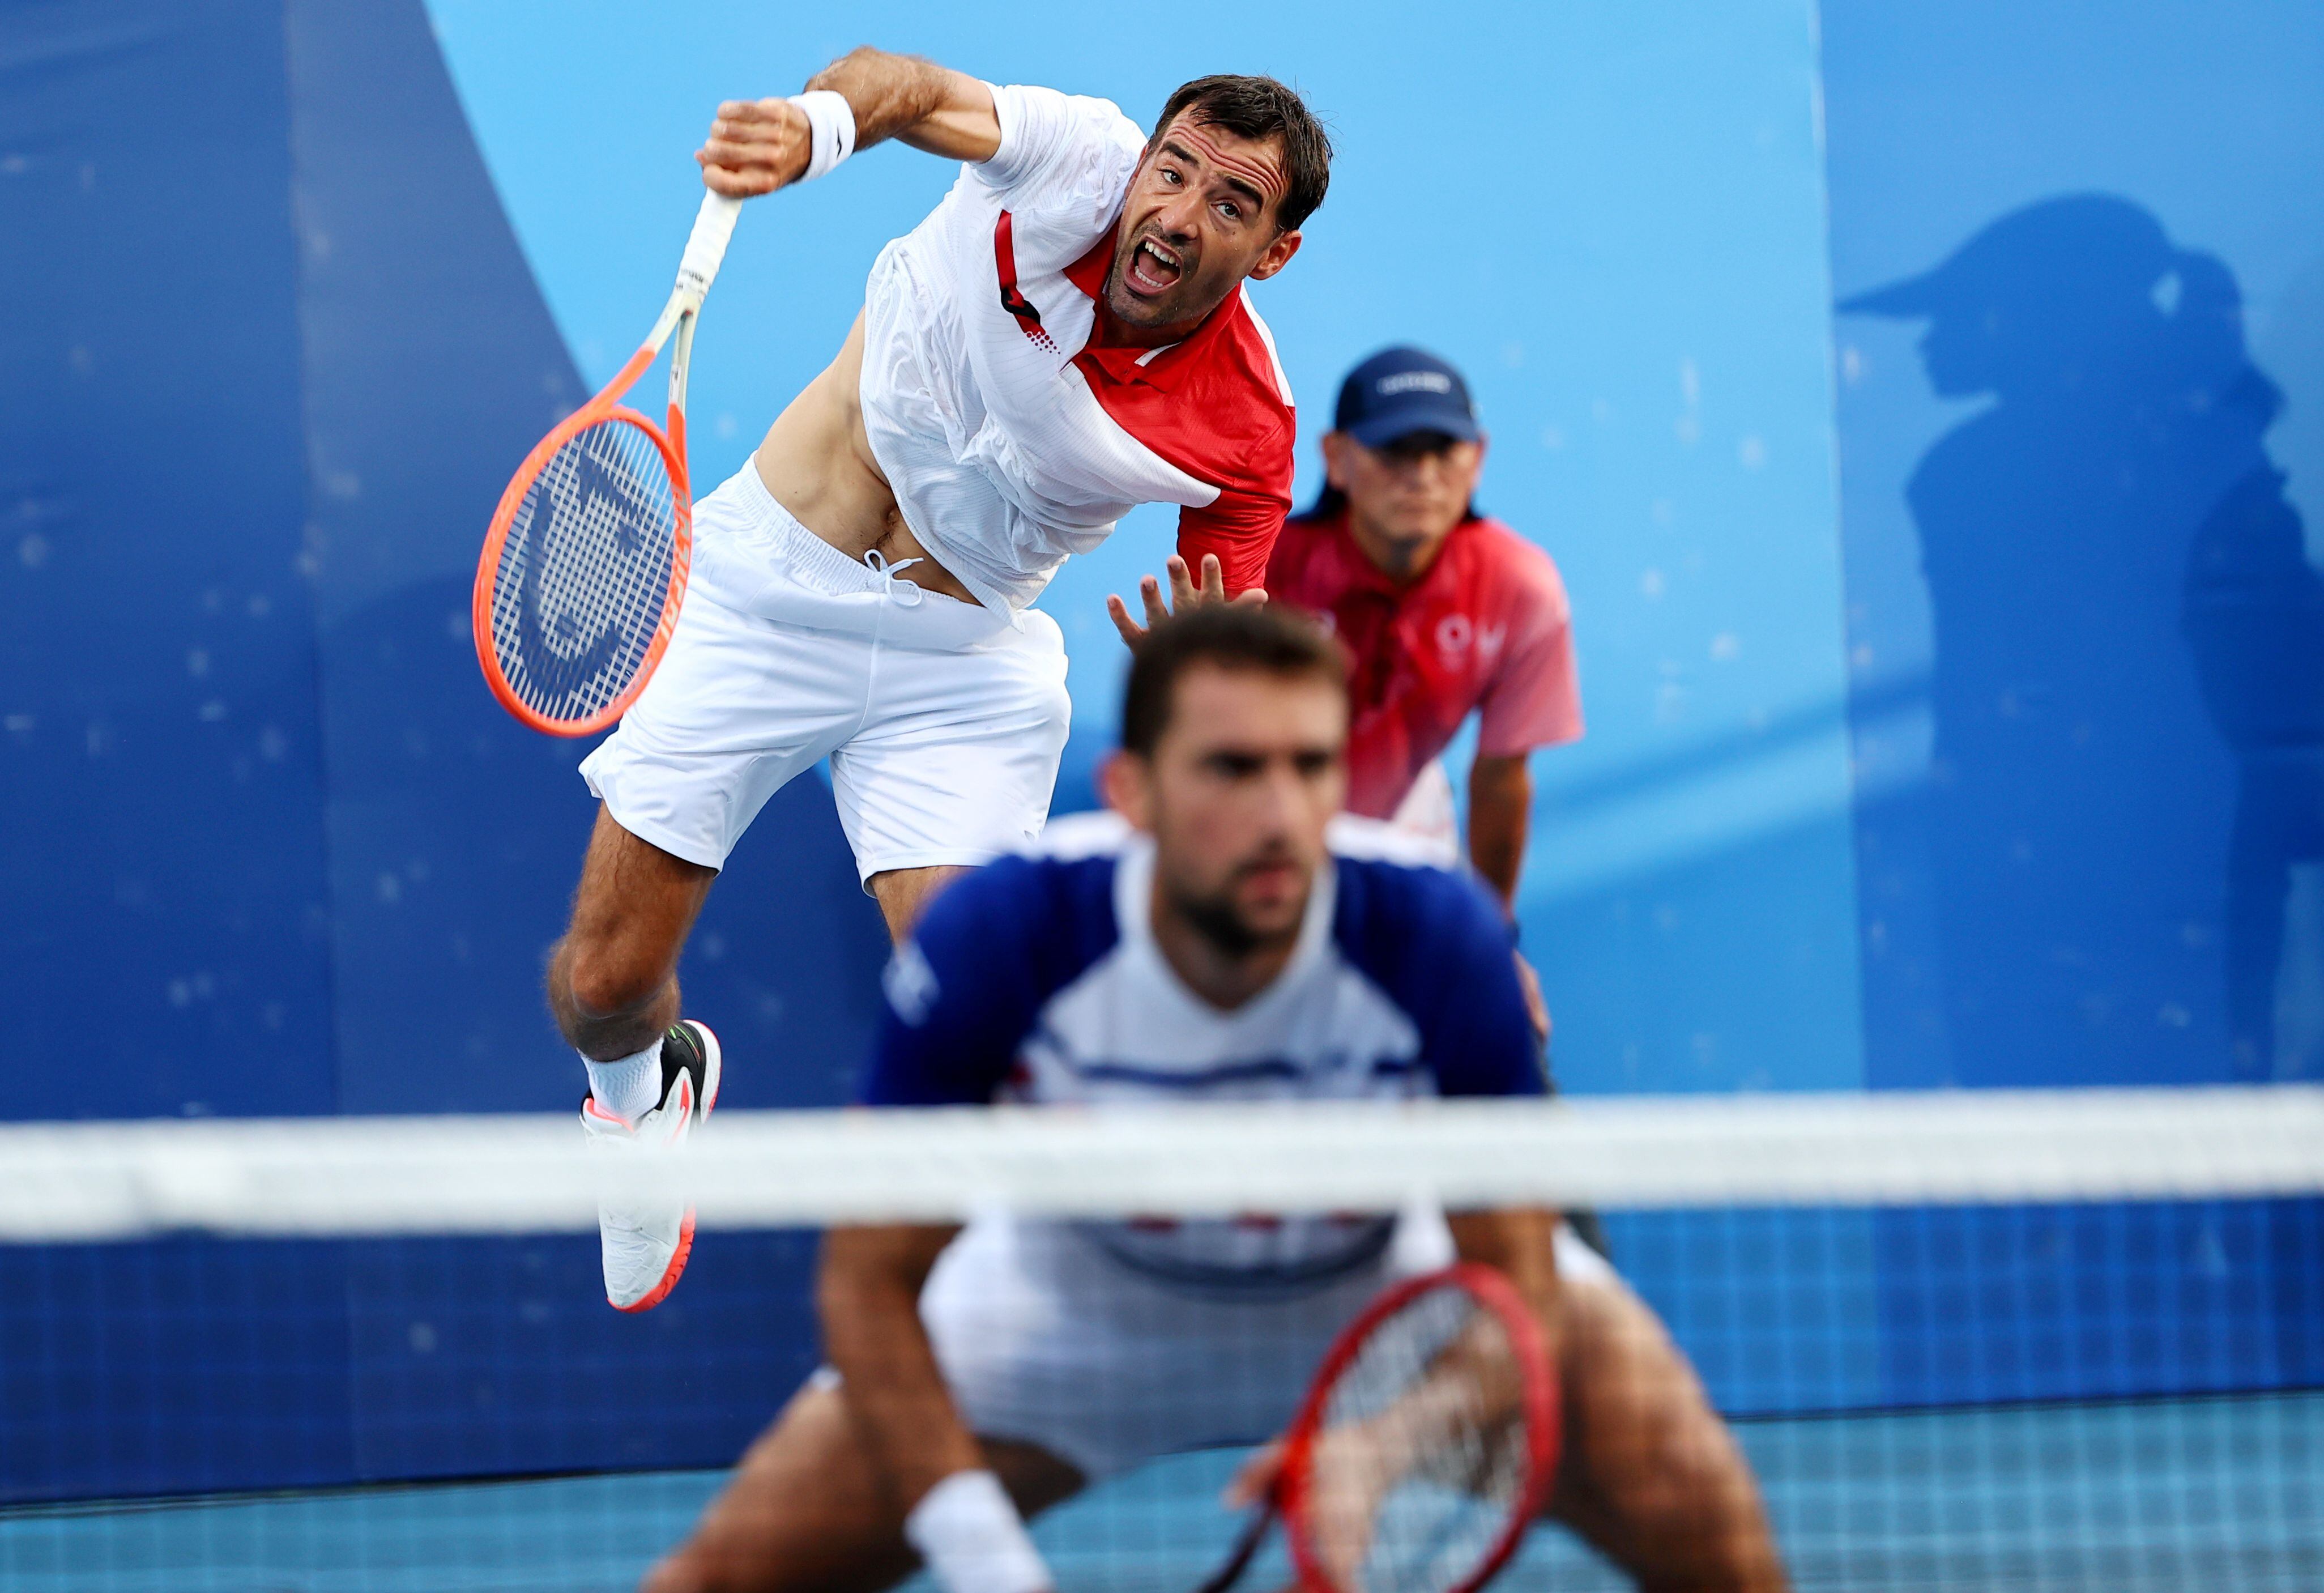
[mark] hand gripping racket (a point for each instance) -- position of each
(1424, 1448)
(585, 560)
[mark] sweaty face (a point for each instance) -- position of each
(1248, 773)
(1199, 217)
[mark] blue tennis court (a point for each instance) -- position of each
(2222, 1493)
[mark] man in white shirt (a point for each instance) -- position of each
(1065, 336)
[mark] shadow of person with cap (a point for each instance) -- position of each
(2108, 811)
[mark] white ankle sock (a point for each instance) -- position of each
(630, 1086)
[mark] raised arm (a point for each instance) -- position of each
(758, 145)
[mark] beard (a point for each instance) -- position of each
(1216, 920)
(1221, 923)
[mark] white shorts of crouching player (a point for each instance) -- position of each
(1045, 1337)
(942, 720)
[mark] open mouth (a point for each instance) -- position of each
(1154, 268)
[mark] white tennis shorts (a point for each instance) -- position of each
(1046, 1338)
(942, 720)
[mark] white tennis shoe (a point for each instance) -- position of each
(646, 1240)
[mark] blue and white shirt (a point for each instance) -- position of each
(1037, 979)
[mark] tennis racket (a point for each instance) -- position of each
(1424, 1448)
(585, 563)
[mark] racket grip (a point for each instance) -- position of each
(713, 225)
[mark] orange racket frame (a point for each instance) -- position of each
(713, 226)
(1499, 1297)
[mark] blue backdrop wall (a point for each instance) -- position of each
(2082, 447)
(269, 849)
(2081, 351)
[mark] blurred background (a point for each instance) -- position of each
(1921, 404)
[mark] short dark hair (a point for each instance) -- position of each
(1261, 108)
(1265, 638)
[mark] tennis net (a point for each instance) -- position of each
(1992, 1340)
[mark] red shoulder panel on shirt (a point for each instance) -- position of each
(1214, 406)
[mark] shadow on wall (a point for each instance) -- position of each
(2129, 678)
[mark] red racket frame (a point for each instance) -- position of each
(1497, 1295)
(605, 406)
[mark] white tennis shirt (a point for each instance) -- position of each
(1010, 440)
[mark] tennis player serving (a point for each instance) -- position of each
(1213, 943)
(1065, 336)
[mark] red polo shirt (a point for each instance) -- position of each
(1486, 626)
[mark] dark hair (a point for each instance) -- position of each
(1264, 638)
(1263, 109)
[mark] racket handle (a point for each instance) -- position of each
(713, 225)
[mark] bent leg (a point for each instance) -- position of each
(904, 893)
(742, 704)
(1649, 1473)
(809, 1510)
(612, 979)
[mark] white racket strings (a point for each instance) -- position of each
(584, 571)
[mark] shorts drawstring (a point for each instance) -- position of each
(891, 588)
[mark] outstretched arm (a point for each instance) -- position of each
(1183, 594)
(758, 145)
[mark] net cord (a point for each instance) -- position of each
(528, 1174)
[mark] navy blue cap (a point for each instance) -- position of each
(1400, 391)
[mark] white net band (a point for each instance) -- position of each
(755, 1170)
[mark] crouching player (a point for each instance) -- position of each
(979, 1375)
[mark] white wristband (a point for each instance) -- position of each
(969, 1534)
(831, 128)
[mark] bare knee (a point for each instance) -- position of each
(1663, 1503)
(609, 1003)
(1693, 1505)
(1659, 1481)
(611, 980)
(606, 977)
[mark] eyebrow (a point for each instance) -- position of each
(1171, 146)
